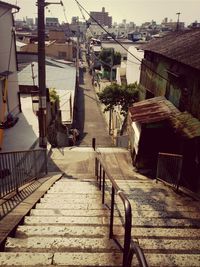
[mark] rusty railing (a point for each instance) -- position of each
(169, 168)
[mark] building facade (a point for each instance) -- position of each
(102, 17)
(9, 101)
(170, 75)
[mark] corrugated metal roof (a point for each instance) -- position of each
(59, 76)
(186, 125)
(181, 46)
(152, 110)
(159, 109)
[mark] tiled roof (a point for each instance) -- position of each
(183, 47)
(159, 109)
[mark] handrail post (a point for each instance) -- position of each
(103, 188)
(97, 169)
(112, 212)
(17, 174)
(35, 163)
(127, 235)
(100, 177)
(46, 162)
(94, 143)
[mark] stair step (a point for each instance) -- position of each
(75, 196)
(170, 246)
(65, 212)
(100, 231)
(25, 259)
(33, 220)
(71, 200)
(86, 259)
(73, 190)
(24, 231)
(69, 206)
(55, 244)
(105, 212)
(165, 233)
(172, 260)
(81, 259)
(60, 259)
(137, 222)
(64, 244)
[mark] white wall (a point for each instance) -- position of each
(133, 65)
(7, 50)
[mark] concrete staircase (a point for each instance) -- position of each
(68, 227)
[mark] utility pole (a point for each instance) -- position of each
(177, 25)
(42, 72)
(77, 50)
(42, 75)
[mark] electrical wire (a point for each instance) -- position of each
(48, 80)
(64, 11)
(120, 42)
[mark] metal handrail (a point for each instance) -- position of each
(136, 249)
(20, 167)
(128, 249)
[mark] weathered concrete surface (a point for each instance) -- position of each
(86, 259)
(79, 229)
(26, 259)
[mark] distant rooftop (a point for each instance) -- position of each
(181, 46)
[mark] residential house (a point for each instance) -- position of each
(53, 48)
(9, 101)
(133, 64)
(59, 76)
(171, 69)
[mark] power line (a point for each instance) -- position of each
(64, 11)
(120, 43)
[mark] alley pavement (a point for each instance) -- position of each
(89, 118)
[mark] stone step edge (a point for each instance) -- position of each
(63, 259)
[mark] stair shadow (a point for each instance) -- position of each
(14, 201)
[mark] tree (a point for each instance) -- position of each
(123, 95)
(53, 95)
(109, 58)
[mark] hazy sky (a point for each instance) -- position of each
(137, 11)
